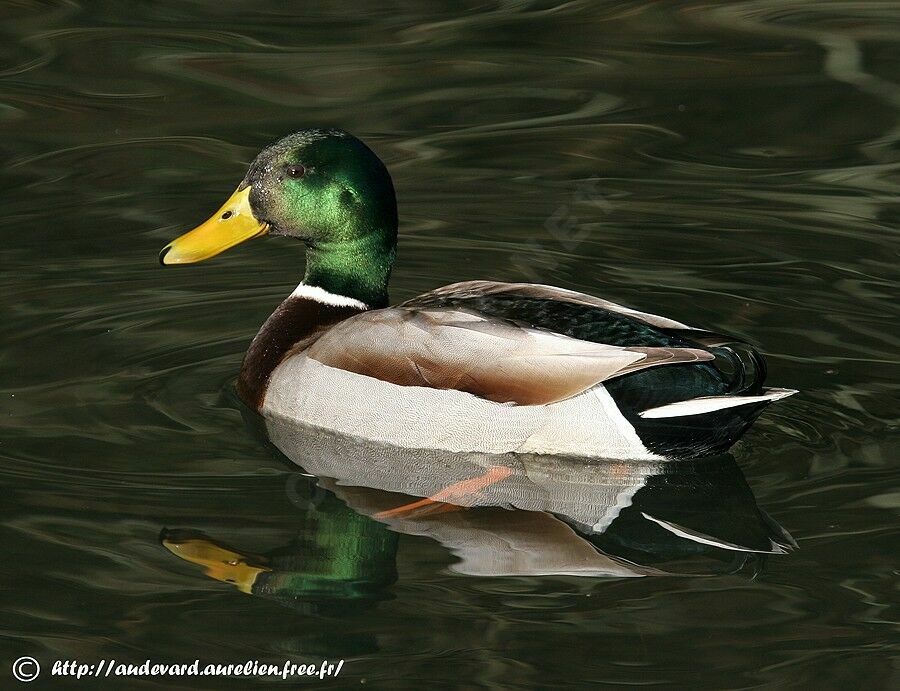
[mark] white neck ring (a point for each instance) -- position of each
(321, 295)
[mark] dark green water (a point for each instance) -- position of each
(731, 165)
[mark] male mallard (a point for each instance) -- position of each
(474, 366)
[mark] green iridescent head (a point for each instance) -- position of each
(323, 187)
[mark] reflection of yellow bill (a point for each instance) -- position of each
(229, 226)
(218, 562)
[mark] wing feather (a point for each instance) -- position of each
(544, 292)
(450, 348)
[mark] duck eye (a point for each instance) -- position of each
(296, 171)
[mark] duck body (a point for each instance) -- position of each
(503, 367)
(479, 366)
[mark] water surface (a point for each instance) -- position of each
(731, 165)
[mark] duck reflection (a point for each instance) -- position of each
(506, 515)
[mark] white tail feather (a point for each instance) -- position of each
(708, 404)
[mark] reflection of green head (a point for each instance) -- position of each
(328, 189)
(340, 555)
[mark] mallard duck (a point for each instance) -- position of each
(475, 366)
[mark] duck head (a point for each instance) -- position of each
(323, 187)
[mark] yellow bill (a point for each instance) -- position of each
(229, 226)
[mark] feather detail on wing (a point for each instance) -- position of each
(543, 292)
(496, 360)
